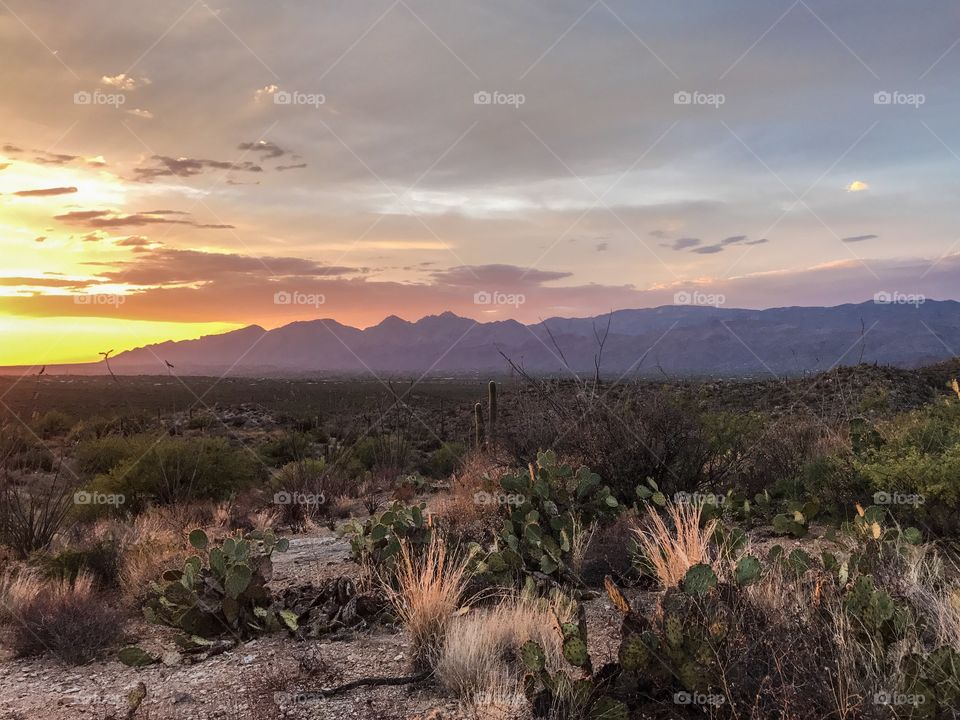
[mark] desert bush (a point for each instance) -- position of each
(178, 470)
(445, 460)
(21, 451)
(67, 619)
(463, 510)
(673, 541)
(426, 590)
(101, 454)
(30, 518)
(286, 448)
(53, 423)
(99, 558)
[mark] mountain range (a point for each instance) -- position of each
(670, 340)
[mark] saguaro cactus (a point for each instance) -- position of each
(492, 393)
(478, 423)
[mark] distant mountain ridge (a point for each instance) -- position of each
(675, 340)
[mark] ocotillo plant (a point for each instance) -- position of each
(492, 393)
(478, 423)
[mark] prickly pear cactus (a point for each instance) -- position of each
(679, 648)
(545, 506)
(579, 694)
(377, 541)
(225, 591)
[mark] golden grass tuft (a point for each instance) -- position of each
(674, 544)
(479, 662)
(427, 589)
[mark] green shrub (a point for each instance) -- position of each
(915, 465)
(99, 455)
(100, 559)
(53, 424)
(445, 460)
(286, 448)
(176, 470)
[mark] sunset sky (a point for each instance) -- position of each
(174, 169)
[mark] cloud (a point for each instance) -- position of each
(265, 147)
(262, 93)
(188, 167)
(497, 276)
(165, 266)
(733, 240)
(298, 166)
(40, 238)
(92, 237)
(46, 192)
(857, 186)
(48, 158)
(681, 243)
(709, 249)
(140, 113)
(4, 166)
(12, 149)
(761, 241)
(602, 246)
(110, 219)
(134, 241)
(859, 238)
(124, 81)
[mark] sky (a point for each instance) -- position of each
(176, 169)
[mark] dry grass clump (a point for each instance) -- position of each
(151, 545)
(674, 544)
(264, 519)
(462, 509)
(69, 620)
(426, 591)
(479, 662)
